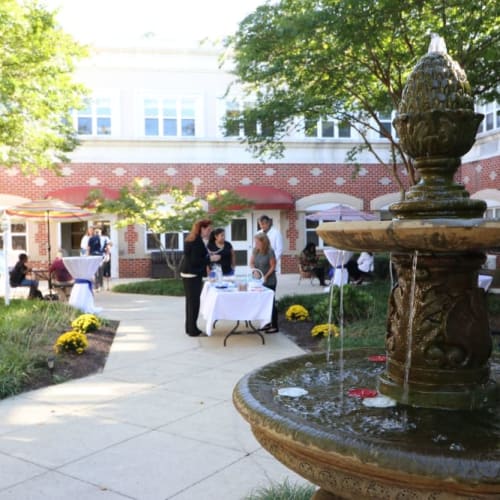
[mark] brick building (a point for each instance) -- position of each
(156, 114)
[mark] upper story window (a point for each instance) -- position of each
(385, 120)
(96, 117)
(491, 112)
(235, 125)
(170, 117)
(326, 128)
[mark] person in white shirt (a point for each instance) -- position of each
(360, 268)
(275, 238)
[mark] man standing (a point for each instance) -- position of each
(266, 226)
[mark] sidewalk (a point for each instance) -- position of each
(158, 423)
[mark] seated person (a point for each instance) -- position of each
(309, 262)
(18, 277)
(62, 277)
(361, 268)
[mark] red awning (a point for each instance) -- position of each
(266, 197)
(78, 194)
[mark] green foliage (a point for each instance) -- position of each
(37, 94)
(283, 491)
(350, 59)
(173, 287)
(28, 330)
(357, 304)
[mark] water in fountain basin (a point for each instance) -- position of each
(323, 407)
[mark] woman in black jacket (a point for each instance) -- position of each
(194, 268)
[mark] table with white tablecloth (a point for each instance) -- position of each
(338, 260)
(484, 281)
(83, 270)
(233, 305)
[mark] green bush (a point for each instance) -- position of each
(357, 304)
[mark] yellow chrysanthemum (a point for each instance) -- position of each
(86, 323)
(72, 341)
(324, 329)
(297, 313)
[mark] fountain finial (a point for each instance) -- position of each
(437, 44)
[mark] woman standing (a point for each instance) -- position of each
(217, 245)
(263, 258)
(193, 269)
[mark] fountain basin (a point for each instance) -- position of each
(352, 451)
(425, 235)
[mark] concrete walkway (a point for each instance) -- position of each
(157, 423)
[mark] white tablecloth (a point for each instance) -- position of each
(222, 304)
(484, 281)
(83, 268)
(338, 259)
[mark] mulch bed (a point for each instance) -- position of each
(68, 366)
(299, 332)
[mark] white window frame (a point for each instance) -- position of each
(491, 120)
(185, 107)
(95, 112)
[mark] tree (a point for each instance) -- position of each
(37, 94)
(349, 60)
(146, 205)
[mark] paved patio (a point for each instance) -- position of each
(157, 423)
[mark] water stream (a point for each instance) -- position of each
(409, 338)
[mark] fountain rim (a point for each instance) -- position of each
(442, 235)
(373, 452)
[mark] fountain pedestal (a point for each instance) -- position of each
(438, 337)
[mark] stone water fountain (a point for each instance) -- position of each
(441, 437)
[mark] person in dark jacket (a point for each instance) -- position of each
(194, 267)
(18, 277)
(217, 244)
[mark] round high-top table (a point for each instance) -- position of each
(338, 259)
(83, 270)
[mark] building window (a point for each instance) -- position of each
(385, 120)
(169, 241)
(492, 213)
(95, 118)
(491, 120)
(344, 129)
(170, 117)
(325, 128)
(17, 237)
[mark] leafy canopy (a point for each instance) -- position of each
(37, 93)
(350, 59)
(164, 209)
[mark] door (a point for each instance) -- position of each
(239, 234)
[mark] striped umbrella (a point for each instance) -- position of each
(340, 212)
(48, 209)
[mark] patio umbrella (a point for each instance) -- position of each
(340, 212)
(48, 209)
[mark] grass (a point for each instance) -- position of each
(173, 287)
(28, 331)
(283, 491)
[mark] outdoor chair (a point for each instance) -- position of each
(303, 274)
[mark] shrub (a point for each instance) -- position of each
(357, 304)
(86, 323)
(297, 313)
(72, 341)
